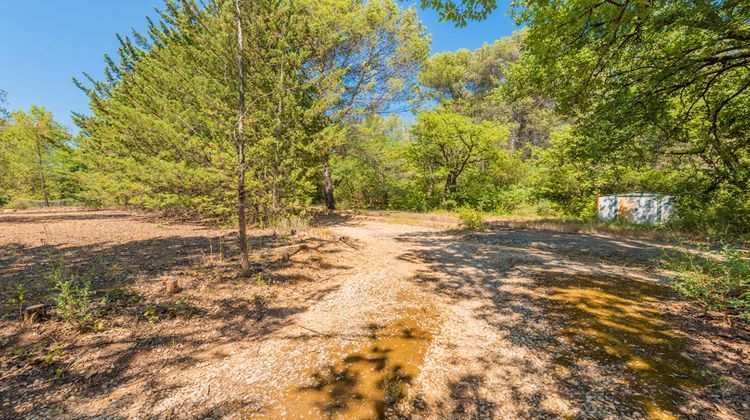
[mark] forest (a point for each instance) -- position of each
(276, 123)
(538, 123)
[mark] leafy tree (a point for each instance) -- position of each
(657, 83)
(187, 103)
(34, 157)
(446, 77)
(461, 11)
(446, 146)
(367, 58)
(660, 83)
(673, 76)
(480, 84)
(372, 168)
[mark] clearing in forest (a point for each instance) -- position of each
(356, 317)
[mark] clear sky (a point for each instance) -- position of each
(45, 43)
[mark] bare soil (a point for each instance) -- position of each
(356, 317)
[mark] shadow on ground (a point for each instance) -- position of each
(607, 336)
(146, 333)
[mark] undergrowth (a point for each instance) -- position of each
(392, 386)
(720, 280)
(471, 219)
(71, 295)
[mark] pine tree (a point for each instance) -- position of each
(242, 93)
(34, 150)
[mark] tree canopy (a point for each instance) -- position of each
(661, 82)
(251, 111)
(35, 157)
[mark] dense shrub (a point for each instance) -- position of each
(471, 219)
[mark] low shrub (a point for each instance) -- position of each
(72, 296)
(471, 219)
(719, 280)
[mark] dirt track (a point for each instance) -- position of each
(494, 324)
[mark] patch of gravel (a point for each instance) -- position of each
(499, 323)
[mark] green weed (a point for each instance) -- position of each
(263, 279)
(119, 297)
(175, 308)
(99, 325)
(19, 298)
(720, 280)
(392, 386)
(53, 353)
(149, 313)
(71, 295)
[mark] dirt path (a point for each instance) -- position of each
(407, 320)
(273, 373)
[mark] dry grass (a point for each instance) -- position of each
(664, 233)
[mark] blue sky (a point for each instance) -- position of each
(45, 43)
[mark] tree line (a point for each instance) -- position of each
(251, 111)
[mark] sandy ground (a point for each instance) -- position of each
(497, 324)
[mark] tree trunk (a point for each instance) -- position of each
(241, 192)
(41, 172)
(277, 144)
(328, 185)
(449, 190)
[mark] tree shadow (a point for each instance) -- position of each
(367, 378)
(146, 333)
(611, 342)
(61, 216)
(329, 219)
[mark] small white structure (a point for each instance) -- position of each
(636, 207)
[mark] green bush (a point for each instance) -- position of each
(471, 219)
(719, 280)
(72, 296)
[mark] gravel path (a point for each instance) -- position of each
(516, 324)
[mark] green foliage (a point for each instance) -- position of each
(654, 86)
(18, 298)
(311, 68)
(719, 280)
(384, 164)
(461, 11)
(564, 178)
(448, 146)
(36, 160)
(659, 94)
(119, 297)
(725, 213)
(150, 313)
(569, 176)
(154, 313)
(471, 219)
(479, 84)
(287, 223)
(71, 295)
(53, 353)
(372, 170)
